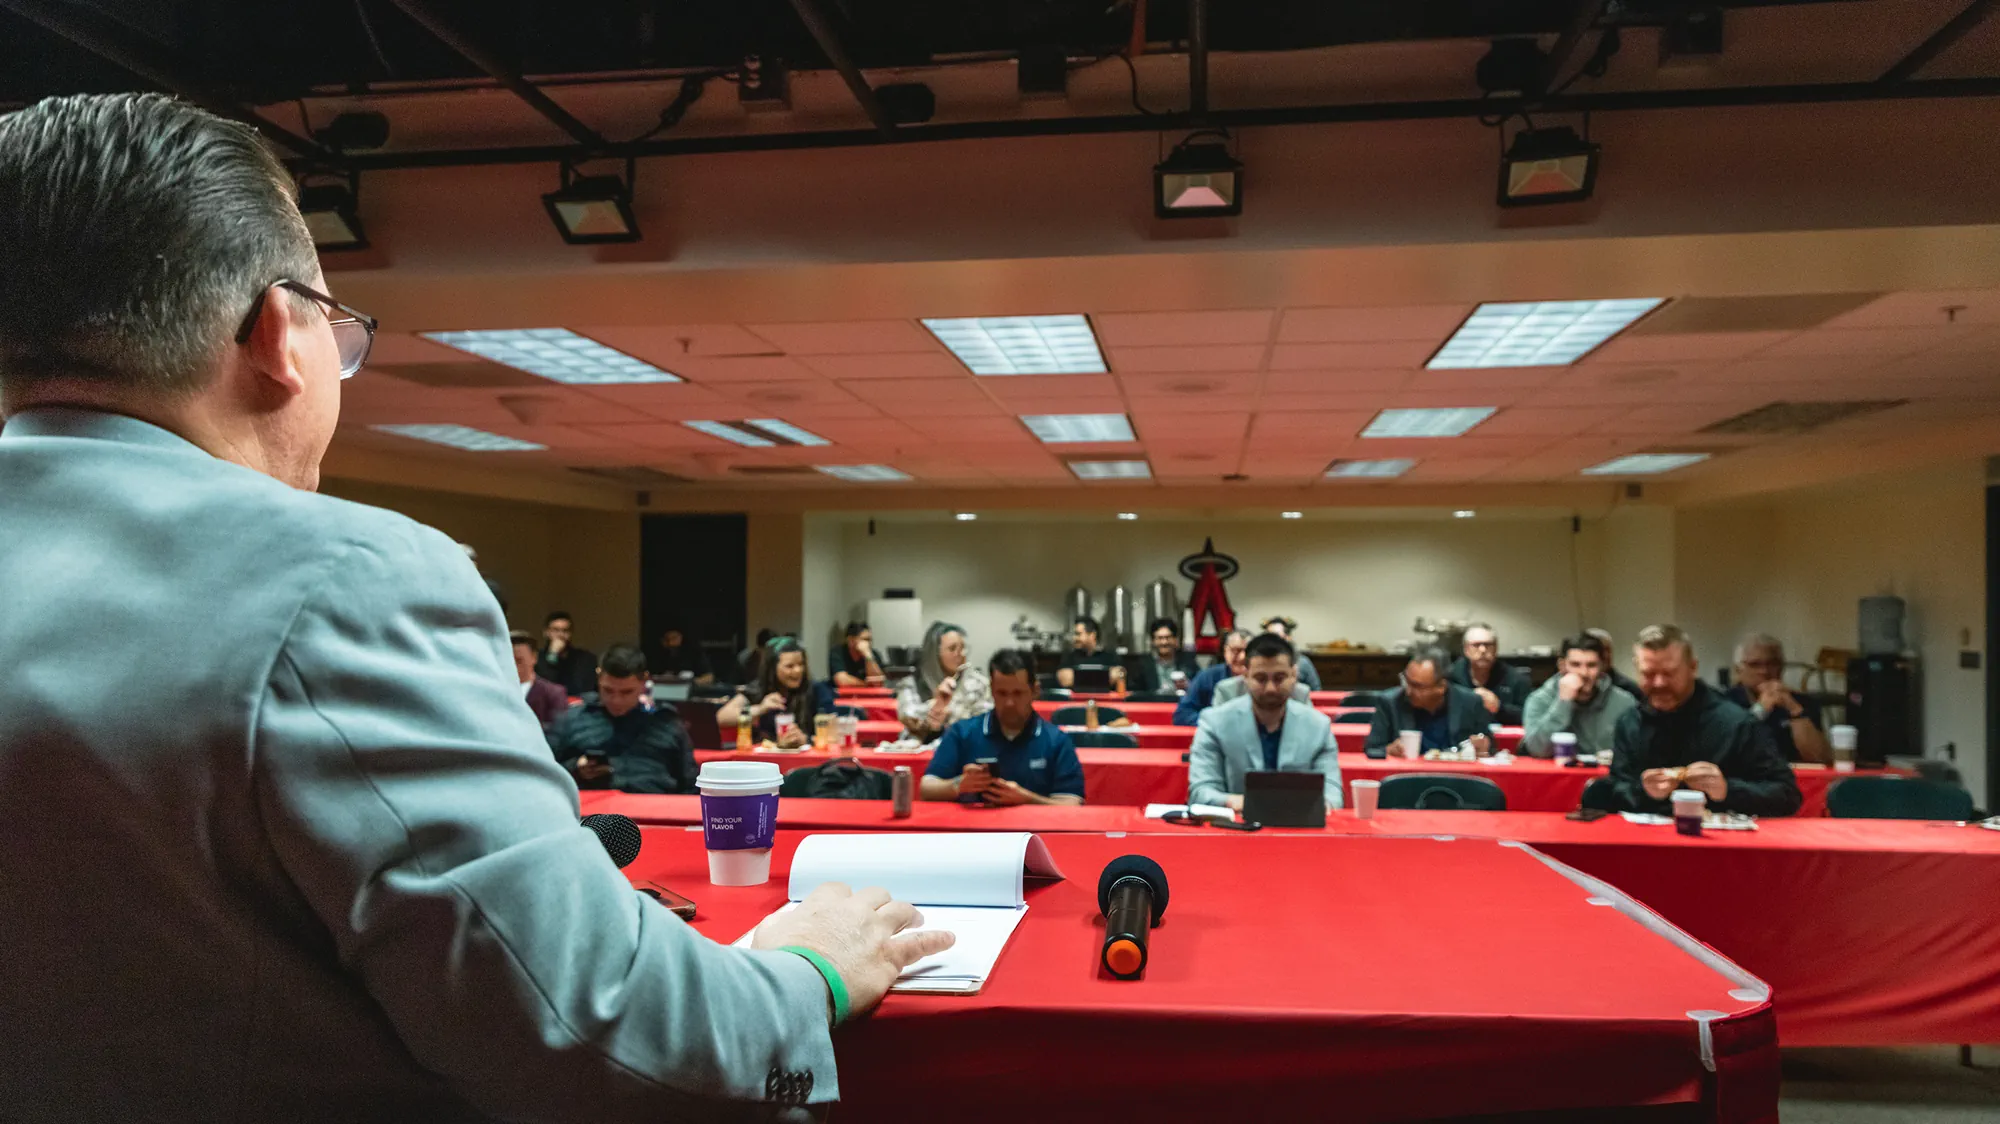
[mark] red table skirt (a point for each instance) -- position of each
(1269, 987)
(1144, 713)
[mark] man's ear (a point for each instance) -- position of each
(272, 350)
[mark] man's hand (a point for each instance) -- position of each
(1705, 778)
(1481, 744)
(792, 738)
(556, 644)
(1118, 674)
(1569, 686)
(1774, 696)
(864, 649)
(858, 934)
(1233, 801)
(592, 769)
(1002, 791)
(1491, 700)
(1660, 783)
(974, 778)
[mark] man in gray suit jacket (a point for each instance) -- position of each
(320, 866)
(1263, 731)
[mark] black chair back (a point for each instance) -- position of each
(1599, 794)
(1453, 792)
(845, 779)
(1152, 696)
(1075, 715)
(1897, 798)
(1108, 739)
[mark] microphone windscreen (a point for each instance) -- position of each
(1133, 866)
(619, 835)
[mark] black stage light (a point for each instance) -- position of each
(1198, 179)
(588, 210)
(331, 211)
(1547, 166)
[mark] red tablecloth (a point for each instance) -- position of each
(1270, 990)
(1145, 713)
(1110, 776)
(1873, 932)
(1538, 785)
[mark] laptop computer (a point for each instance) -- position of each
(1277, 799)
(1091, 678)
(698, 717)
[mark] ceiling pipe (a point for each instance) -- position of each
(1941, 40)
(425, 13)
(830, 45)
(1581, 21)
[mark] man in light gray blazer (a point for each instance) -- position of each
(1264, 730)
(319, 865)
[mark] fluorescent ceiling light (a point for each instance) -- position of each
(556, 354)
(966, 516)
(1536, 333)
(862, 473)
(462, 437)
(1065, 429)
(1645, 464)
(1022, 345)
(730, 433)
(1463, 513)
(1111, 470)
(1128, 515)
(1447, 422)
(787, 431)
(1369, 470)
(1291, 515)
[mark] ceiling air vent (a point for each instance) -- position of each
(633, 476)
(1784, 418)
(1793, 312)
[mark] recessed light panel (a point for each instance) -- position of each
(1128, 516)
(556, 354)
(1536, 333)
(1112, 470)
(1450, 421)
(1022, 345)
(1369, 470)
(863, 473)
(1291, 515)
(462, 437)
(1645, 464)
(1069, 429)
(730, 433)
(786, 431)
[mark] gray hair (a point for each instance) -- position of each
(136, 233)
(930, 668)
(1757, 641)
(1242, 634)
(1431, 654)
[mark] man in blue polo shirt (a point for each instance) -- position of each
(1201, 693)
(1009, 755)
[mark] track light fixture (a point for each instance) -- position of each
(1199, 179)
(589, 210)
(331, 211)
(1551, 165)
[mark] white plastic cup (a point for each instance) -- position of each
(1563, 745)
(1412, 742)
(1845, 740)
(1366, 795)
(782, 722)
(1688, 807)
(739, 820)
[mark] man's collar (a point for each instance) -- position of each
(1034, 726)
(100, 425)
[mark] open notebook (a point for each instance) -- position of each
(969, 883)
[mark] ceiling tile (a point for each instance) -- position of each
(1365, 401)
(1665, 421)
(1181, 329)
(1887, 342)
(1335, 382)
(780, 396)
(872, 431)
(1222, 358)
(666, 401)
(658, 343)
(1432, 323)
(905, 365)
(1045, 388)
(1333, 356)
(1545, 422)
(1438, 470)
(1192, 385)
(1462, 381)
(721, 370)
(892, 392)
(853, 337)
(1677, 347)
(1924, 309)
(654, 435)
(1215, 428)
(1320, 426)
(403, 347)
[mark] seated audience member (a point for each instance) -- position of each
(562, 662)
(1579, 699)
(1501, 686)
(547, 700)
(750, 661)
(1201, 691)
(1009, 755)
(1267, 730)
(610, 741)
(1618, 678)
(943, 690)
(853, 662)
(1166, 659)
(1760, 689)
(681, 658)
(1444, 712)
(1684, 734)
(1084, 652)
(1289, 629)
(785, 686)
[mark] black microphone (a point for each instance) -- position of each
(1132, 895)
(619, 835)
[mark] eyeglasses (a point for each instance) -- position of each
(1420, 688)
(353, 331)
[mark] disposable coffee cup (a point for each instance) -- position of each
(1845, 739)
(1688, 807)
(782, 723)
(1366, 795)
(739, 820)
(1564, 745)
(1412, 742)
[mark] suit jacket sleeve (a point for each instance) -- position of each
(415, 806)
(1207, 774)
(1760, 781)
(1308, 672)
(660, 762)
(1628, 795)
(1146, 679)
(1188, 711)
(1381, 729)
(1327, 761)
(1513, 694)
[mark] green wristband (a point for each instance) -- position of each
(827, 971)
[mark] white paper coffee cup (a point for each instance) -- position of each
(1366, 795)
(1412, 742)
(739, 814)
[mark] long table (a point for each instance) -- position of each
(1159, 776)
(1144, 713)
(1872, 932)
(1303, 977)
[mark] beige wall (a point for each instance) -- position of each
(772, 586)
(544, 557)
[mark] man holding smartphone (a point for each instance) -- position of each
(610, 740)
(1010, 755)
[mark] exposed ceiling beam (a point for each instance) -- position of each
(828, 37)
(426, 14)
(1581, 19)
(112, 42)
(1941, 40)
(1631, 101)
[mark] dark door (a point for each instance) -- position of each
(691, 576)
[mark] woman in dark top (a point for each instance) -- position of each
(785, 684)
